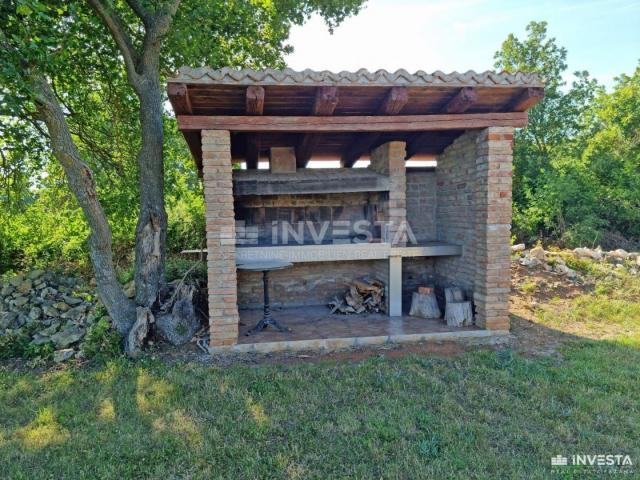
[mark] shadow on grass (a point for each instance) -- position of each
(483, 414)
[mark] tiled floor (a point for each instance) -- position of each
(309, 323)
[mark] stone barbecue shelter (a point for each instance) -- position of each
(431, 207)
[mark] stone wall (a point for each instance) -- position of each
(256, 214)
(221, 243)
(455, 216)
(421, 203)
(313, 283)
(473, 180)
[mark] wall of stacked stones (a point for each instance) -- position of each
(421, 203)
(455, 215)
(312, 283)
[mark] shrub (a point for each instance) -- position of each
(177, 267)
(102, 340)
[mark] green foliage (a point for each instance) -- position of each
(102, 341)
(12, 345)
(17, 345)
(45, 225)
(176, 268)
(577, 164)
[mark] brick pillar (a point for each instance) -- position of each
(492, 208)
(389, 159)
(221, 247)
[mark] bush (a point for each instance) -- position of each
(18, 345)
(177, 267)
(102, 341)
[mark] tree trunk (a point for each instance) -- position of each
(82, 184)
(151, 231)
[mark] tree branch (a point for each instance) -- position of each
(119, 33)
(140, 11)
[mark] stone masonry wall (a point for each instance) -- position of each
(313, 283)
(256, 214)
(455, 216)
(421, 203)
(474, 209)
(220, 226)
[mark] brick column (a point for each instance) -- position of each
(221, 248)
(389, 159)
(492, 208)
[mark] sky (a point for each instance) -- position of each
(601, 36)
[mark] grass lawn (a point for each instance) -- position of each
(482, 414)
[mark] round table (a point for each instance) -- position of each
(265, 267)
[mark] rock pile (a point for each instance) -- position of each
(50, 308)
(553, 261)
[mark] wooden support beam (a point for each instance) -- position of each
(527, 99)
(179, 98)
(304, 149)
(326, 101)
(252, 154)
(394, 102)
(462, 101)
(354, 124)
(254, 103)
(324, 105)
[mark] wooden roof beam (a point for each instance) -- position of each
(461, 101)
(393, 103)
(179, 98)
(254, 105)
(527, 99)
(353, 124)
(254, 100)
(252, 153)
(324, 105)
(326, 101)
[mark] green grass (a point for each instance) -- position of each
(612, 309)
(482, 415)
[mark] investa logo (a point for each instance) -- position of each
(597, 460)
(602, 460)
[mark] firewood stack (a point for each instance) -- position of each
(364, 295)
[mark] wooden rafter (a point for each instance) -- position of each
(254, 100)
(324, 104)
(179, 98)
(393, 103)
(461, 101)
(252, 154)
(354, 124)
(254, 105)
(527, 99)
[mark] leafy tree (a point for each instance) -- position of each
(63, 58)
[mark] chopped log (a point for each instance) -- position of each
(453, 294)
(458, 314)
(364, 295)
(425, 305)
